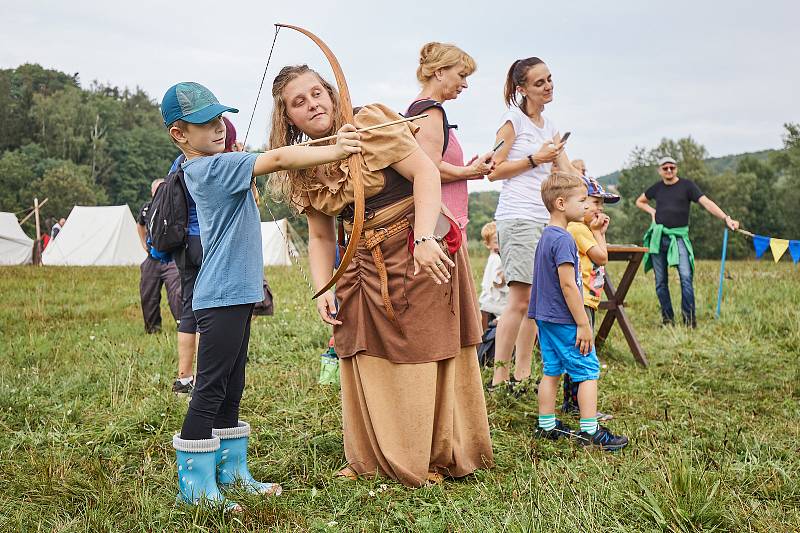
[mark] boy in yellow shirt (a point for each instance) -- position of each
(590, 237)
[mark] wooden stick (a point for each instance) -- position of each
(33, 210)
(368, 128)
(37, 256)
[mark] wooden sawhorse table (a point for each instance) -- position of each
(615, 304)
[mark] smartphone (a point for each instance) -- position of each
(498, 145)
(566, 136)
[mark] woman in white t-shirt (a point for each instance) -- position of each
(532, 145)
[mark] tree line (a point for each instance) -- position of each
(760, 192)
(104, 145)
(96, 146)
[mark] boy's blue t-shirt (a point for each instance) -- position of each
(230, 230)
(555, 248)
(192, 226)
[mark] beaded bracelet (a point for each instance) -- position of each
(424, 238)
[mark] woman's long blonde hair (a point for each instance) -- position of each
(286, 184)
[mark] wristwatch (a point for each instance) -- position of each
(532, 162)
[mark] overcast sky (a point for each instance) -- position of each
(626, 73)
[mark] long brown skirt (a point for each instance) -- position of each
(405, 420)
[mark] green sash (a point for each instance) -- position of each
(652, 241)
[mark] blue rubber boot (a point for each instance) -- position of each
(196, 469)
(232, 461)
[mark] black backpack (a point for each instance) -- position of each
(420, 106)
(486, 347)
(169, 213)
(266, 307)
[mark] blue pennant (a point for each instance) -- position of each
(761, 244)
(794, 249)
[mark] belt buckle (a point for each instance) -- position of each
(371, 236)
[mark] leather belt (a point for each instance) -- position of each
(372, 240)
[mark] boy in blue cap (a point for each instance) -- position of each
(212, 445)
(565, 335)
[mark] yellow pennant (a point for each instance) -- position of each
(778, 247)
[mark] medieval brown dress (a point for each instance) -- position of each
(412, 397)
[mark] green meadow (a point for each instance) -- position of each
(87, 418)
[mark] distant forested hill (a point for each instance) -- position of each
(81, 146)
(716, 165)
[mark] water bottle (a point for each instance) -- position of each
(329, 366)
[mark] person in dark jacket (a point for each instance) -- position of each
(156, 270)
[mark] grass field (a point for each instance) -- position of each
(87, 417)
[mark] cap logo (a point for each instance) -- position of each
(193, 97)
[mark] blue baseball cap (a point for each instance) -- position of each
(191, 102)
(596, 190)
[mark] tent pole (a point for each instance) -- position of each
(32, 211)
(37, 245)
(722, 271)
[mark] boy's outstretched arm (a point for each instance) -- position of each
(297, 157)
(574, 299)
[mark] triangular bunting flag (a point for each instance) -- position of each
(760, 243)
(778, 247)
(794, 249)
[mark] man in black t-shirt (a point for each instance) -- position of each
(668, 236)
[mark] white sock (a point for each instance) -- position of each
(185, 381)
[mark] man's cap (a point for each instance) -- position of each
(666, 159)
(596, 190)
(192, 103)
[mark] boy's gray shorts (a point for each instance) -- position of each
(518, 239)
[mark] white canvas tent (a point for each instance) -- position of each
(16, 248)
(276, 243)
(96, 236)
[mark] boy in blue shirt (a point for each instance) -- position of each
(212, 445)
(565, 335)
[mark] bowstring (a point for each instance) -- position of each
(285, 237)
(260, 87)
(294, 258)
